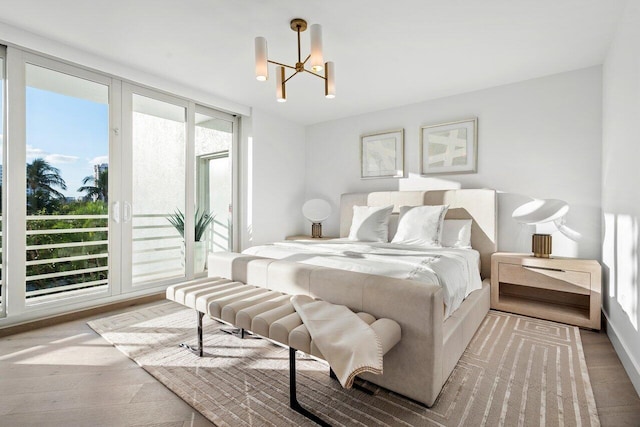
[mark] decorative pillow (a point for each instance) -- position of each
(370, 224)
(420, 225)
(456, 233)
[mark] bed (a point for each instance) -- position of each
(456, 270)
(437, 323)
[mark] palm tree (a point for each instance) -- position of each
(41, 178)
(100, 188)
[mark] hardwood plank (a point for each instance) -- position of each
(66, 374)
(620, 416)
(80, 314)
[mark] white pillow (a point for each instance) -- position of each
(370, 224)
(420, 225)
(456, 233)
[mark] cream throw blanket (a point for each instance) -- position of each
(346, 341)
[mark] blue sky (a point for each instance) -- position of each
(71, 134)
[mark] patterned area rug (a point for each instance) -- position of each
(517, 371)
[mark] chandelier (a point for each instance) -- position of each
(317, 65)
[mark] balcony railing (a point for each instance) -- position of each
(66, 253)
(69, 254)
(158, 250)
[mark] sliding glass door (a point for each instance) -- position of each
(214, 151)
(67, 163)
(3, 305)
(155, 141)
(119, 189)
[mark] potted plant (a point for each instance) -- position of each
(202, 221)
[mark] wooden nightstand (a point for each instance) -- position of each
(566, 290)
(304, 237)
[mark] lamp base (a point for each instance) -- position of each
(316, 230)
(541, 245)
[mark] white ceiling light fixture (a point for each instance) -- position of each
(317, 65)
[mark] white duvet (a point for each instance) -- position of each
(455, 270)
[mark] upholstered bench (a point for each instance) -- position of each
(269, 314)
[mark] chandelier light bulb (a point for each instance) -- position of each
(316, 48)
(330, 80)
(281, 93)
(262, 68)
(315, 59)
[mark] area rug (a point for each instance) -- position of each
(517, 371)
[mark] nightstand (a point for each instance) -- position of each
(304, 237)
(566, 290)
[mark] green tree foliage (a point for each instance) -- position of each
(41, 180)
(99, 188)
(72, 244)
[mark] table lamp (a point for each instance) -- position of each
(316, 211)
(539, 212)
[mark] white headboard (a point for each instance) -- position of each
(476, 204)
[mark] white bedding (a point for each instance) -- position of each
(456, 270)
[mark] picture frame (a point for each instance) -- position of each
(449, 148)
(382, 154)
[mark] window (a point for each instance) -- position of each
(67, 152)
(158, 186)
(214, 137)
(102, 167)
(2, 180)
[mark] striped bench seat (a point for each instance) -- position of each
(266, 313)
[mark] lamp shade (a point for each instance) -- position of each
(541, 211)
(316, 210)
(262, 67)
(316, 48)
(330, 80)
(281, 90)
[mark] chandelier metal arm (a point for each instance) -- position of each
(298, 43)
(317, 64)
(289, 78)
(314, 74)
(281, 64)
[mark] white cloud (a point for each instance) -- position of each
(99, 160)
(37, 153)
(34, 153)
(60, 158)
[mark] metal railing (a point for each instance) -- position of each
(66, 253)
(69, 254)
(158, 249)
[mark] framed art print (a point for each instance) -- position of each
(382, 154)
(449, 147)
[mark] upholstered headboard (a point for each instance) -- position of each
(476, 204)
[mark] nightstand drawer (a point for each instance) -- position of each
(576, 282)
(560, 289)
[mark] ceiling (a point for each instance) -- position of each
(386, 53)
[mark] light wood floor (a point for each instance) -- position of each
(617, 401)
(67, 375)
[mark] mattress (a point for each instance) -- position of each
(455, 270)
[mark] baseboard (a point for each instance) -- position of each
(79, 314)
(630, 365)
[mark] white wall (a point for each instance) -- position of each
(273, 181)
(13, 36)
(539, 138)
(620, 191)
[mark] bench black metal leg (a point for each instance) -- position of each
(196, 350)
(293, 400)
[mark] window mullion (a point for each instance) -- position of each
(14, 218)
